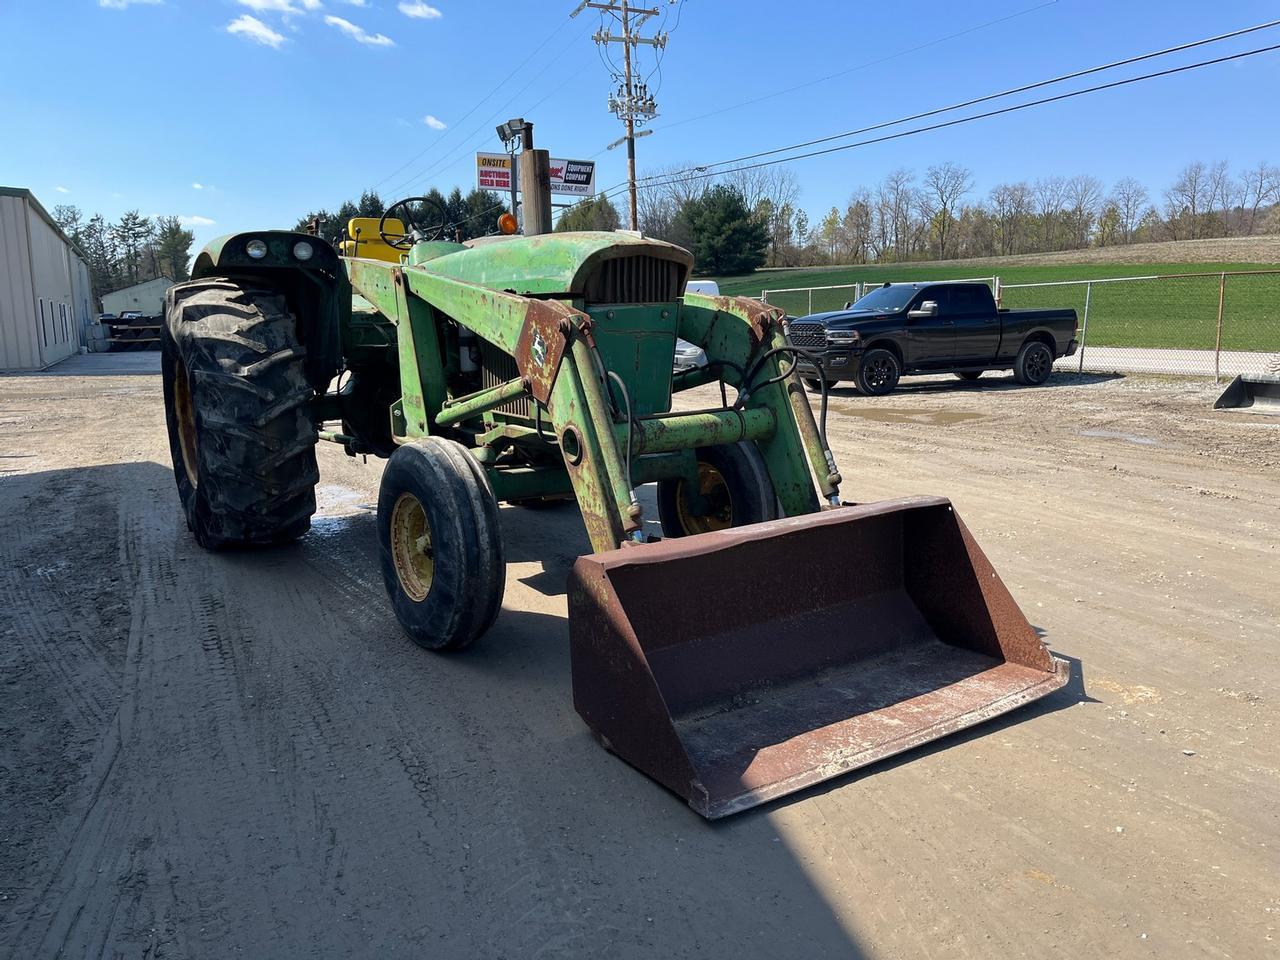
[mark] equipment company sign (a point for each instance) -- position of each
(575, 178)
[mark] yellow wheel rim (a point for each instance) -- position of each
(714, 489)
(185, 413)
(411, 547)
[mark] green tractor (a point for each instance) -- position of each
(771, 638)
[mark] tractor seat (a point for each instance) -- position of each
(365, 241)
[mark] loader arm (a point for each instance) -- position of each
(554, 349)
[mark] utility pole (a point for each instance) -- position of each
(632, 102)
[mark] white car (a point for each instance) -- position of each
(690, 355)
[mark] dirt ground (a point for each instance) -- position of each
(241, 755)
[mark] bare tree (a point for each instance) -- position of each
(946, 185)
(1185, 201)
(778, 185)
(1130, 200)
(897, 197)
(1010, 206)
(1048, 194)
(660, 196)
(1221, 190)
(855, 228)
(1082, 195)
(1259, 187)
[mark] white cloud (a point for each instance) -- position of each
(419, 10)
(254, 29)
(356, 3)
(196, 221)
(197, 186)
(434, 122)
(62, 189)
(122, 4)
(358, 34)
(285, 7)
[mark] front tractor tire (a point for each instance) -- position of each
(734, 490)
(439, 544)
(237, 405)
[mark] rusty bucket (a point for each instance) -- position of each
(739, 666)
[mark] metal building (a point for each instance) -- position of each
(45, 295)
(147, 298)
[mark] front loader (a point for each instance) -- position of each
(771, 638)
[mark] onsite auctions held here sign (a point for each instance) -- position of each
(572, 177)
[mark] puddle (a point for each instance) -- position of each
(1113, 435)
(911, 415)
(338, 508)
(330, 526)
(336, 500)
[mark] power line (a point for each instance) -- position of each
(453, 155)
(701, 172)
(861, 66)
(1008, 93)
(454, 125)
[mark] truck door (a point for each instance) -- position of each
(977, 324)
(931, 341)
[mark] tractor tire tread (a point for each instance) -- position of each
(255, 437)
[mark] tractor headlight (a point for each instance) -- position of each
(256, 249)
(303, 250)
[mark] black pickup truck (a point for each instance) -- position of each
(903, 328)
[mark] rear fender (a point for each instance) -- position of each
(317, 289)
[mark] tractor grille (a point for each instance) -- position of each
(635, 280)
(811, 336)
(497, 368)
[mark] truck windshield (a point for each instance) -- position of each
(888, 299)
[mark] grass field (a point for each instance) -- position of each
(1179, 313)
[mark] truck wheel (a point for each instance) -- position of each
(440, 544)
(814, 385)
(968, 374)
(879, 372)
(237, 405)
(734, 483)
(1034, 363)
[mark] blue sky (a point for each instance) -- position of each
(243, 114)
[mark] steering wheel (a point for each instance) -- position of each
(414, 233)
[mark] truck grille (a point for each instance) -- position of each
(635, 280)
(811, 336)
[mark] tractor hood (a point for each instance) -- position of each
(600, 267)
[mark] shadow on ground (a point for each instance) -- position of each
(258, 761)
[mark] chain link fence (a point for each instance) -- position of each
(1194, 324)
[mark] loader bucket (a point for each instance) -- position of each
(739, 666)
(1255, 393)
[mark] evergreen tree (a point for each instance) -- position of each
(131, 235)
(173, 248)
(726, 239)
(596, 213)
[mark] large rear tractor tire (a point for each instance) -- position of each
(440, 544)
(237, 404)
(735, 490)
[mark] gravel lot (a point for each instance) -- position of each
(240, 755)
